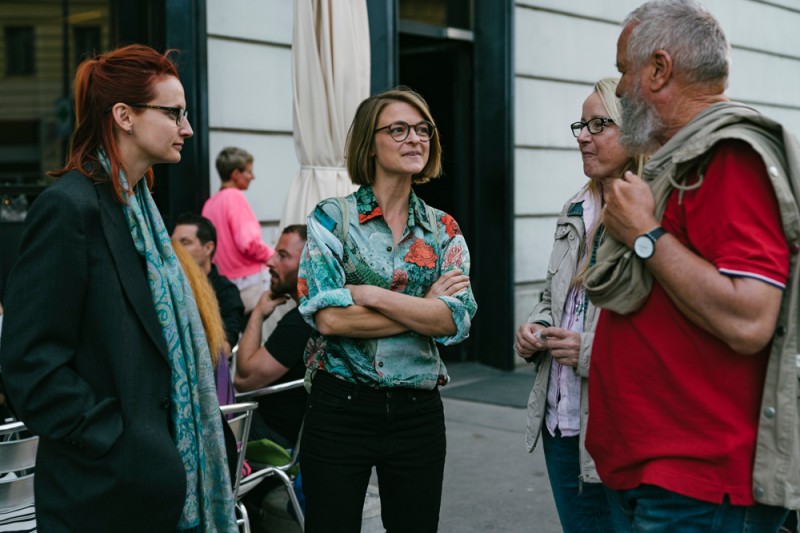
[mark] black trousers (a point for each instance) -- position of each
(348, 430)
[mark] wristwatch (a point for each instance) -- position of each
(644, 246)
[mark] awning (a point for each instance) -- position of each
(331, 59)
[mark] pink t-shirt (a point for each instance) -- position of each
(240, 251)
(672, 405)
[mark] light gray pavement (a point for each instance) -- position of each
(491, 483)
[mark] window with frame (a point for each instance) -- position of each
(87, 42)
(40, 49)
(20, 51)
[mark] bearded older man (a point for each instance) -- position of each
(694, 384)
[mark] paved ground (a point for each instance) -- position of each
(490, 482)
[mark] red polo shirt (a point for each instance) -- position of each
(671, 405)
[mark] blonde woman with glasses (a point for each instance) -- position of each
(559, 332)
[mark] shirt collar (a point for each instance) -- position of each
(368, 208)
(575, 209)
(580, 202)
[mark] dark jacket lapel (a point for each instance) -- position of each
(128, 263)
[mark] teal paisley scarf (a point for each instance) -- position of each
(194, 409)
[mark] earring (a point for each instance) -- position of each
(130, 131)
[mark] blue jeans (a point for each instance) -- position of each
(582, 507)
(652, 509)
(348, 430)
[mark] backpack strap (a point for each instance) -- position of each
(434, 223)
(343, 229)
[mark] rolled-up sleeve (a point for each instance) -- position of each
(462, 305)
(320, 280)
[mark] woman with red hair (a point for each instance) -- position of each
(103, 350)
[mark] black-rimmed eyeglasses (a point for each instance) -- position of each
(399, 130)
(595, 125)
(178, 113)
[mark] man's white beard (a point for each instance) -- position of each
(640, 124)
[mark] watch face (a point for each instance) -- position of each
(643, 246)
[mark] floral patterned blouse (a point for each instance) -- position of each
(370, 257)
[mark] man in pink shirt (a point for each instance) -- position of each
(241, 254)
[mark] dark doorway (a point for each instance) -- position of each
(440, 69)
(458, 54)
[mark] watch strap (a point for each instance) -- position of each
(656, 233)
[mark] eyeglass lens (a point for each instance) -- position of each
(595, 125)
(400, 130)
(178, 113)
(184, 115)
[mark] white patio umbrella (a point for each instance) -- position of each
(331, 59)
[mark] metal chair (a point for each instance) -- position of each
(17, 461)
(239, 422)
(282, 472)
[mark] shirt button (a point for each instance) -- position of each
(380, 364)
(794, 248)
(773, 171)
(388, 248)
(769, 412)
(758, 492)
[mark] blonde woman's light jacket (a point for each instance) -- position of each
(567, 252)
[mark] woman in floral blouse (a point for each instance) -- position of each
(382, 279)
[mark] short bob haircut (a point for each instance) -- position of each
(360, 146)
(232, 158)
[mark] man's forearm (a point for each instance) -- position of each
(249, 343)
(741, 312)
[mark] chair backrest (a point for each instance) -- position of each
(17, 460)
(241, 417)
(282, 472)
(271, 389)
(276, 389)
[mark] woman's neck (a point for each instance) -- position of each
(392, 195)
(133, 173)
(133, 165)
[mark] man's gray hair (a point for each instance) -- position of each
(688, 31)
